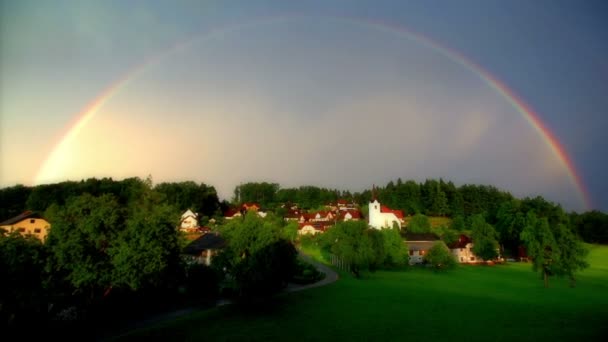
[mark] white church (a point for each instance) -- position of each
(383, 217)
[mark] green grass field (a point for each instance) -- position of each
(473, 303)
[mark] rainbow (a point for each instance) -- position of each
(55, 159)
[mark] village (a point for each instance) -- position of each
(207, 242)
(311, 223)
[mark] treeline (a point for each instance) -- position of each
(200, 198)
(431, 198)
(271, 195)
(440, 198)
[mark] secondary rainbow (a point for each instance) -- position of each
(53, 163)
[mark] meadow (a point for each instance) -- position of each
(473, 303)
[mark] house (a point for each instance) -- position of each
(189, 221)
(313, 228)
(245, 207)
(321, 216)
(419, 244)
(232, 213)
(462, 250)
(383, 217)
(350, 215)
(204, 248)
(28, 223)
(251, 206)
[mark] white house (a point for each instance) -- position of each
(419, 244)
(189, 221)
(462, 250)
(382, 217)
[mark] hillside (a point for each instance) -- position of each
(479, 303)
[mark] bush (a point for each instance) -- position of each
(439, 257)
(306, 273)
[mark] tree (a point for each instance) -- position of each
(591, 226)
(22, 270)
(266, 271)
(540, 245)
(458, 224)
(350, 241)
(485, 244)
(572, 253)
(419, 224)
(146, 252)
(439, 256)
(290, 231)
(83, 230)
(256, 255)
(376, 239)
(396, 251)
(449, 236)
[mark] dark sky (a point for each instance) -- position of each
(322, 92)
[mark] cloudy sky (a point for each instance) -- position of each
(342, 94)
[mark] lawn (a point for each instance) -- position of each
(473, 303)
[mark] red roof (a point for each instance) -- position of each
(462, 242)
(398, 213)
(231, 212)
(342, 201)
(355, 214)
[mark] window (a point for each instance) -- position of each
(32, 221)
(461, 259)
(37, 230)
(472, 258)
(21, 230)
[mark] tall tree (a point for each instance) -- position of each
(485, 244)
(82, 232)
(541, 245)
(396, 251)
(350, 241)
(572, 253)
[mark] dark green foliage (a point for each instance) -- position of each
(306, 273)
(200, 198)
(262, 193)
(395, 249)
(458, 224)
(554, 250)
(265, 271)
(351, 242)
(202, 282)
(439, 257)
(485, 243)
(541, 245)
(419, 224)
(82, 232)
(260, 261)
(146, 252)
(449, 236)
(22, 280)
(572, 253)
(592, 226)
(12, 201)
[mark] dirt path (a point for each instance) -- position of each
(330, 275)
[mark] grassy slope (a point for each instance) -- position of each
(435, 221)
(472, 303)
